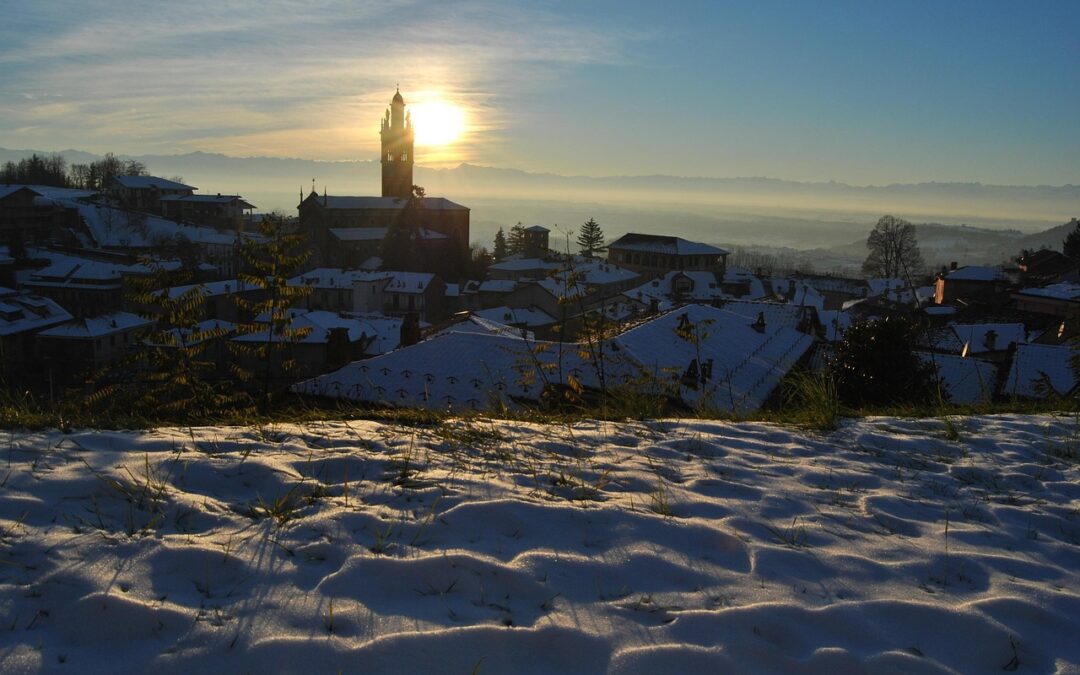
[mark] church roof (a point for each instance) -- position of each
(397, 97)
(385, 203)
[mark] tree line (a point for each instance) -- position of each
(54, 171)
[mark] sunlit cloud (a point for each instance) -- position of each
(277, 78)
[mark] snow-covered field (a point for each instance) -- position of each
(490, 547)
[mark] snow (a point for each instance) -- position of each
(965, 380)
(113, 227)
(517, 316)
(678, 546)
(1034, 365)
(652, 243)
(20, 313)
(98, 326)
(976, 273)
(1062, 291)
(147, 182)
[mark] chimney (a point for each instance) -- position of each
(990, 340)
(759, 325)
(952, 266)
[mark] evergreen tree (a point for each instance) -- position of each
(269, 262)
(1071, 245)
(168, 374)
(500, 245)
(591, 238)
(515, 241)
(875, 364)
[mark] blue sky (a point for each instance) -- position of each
(861, 92)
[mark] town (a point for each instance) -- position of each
(382, 300)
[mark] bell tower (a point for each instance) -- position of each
(397, 150)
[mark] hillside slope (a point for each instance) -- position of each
(676, 546)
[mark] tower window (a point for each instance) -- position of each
(404, 156)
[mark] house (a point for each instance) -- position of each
(695, 356)
(323, 341)
(1061, 300)
(967, 283)
(28, 217)
(91, 343)
(523, 269)
(1040, 371)
(89, 286)
(22, 315)
(390, 293)
(223, 212)
(144, 193)
(531, 319)
(1047, 266)
(655, 255)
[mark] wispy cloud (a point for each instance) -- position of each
(279, 77)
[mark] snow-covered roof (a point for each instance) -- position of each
(705, 287)
(118, 228)
(358, 203)
(98, 326)
(5, 256)
(537, 228)
(377, 234)
(524, 264)
(975, 335)
(147, 182)
(27, 312)
(383, 332)
(456, 370)
(210, 199)
(746, 365)
(214, 288)
(335, 277)
(517, 316)
(1062, 291)
(976, 273)
(656, 243)
(1035, 366)
(498, 286)
(68, 269)
(965, 380)
(6, 190)
(192, 336)
(477, 324)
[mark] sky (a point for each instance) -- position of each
(863, 92)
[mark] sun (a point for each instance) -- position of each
(437, 122)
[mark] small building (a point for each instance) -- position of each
(223, 212)
(92, 343)
(22, 315)
(654, 255)
(144, 193)
(536, 242)
(1061, 300)
(971, 282)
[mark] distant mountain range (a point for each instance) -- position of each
(982, 222)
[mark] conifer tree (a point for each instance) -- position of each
(269, 263)
(591, 239)
(1071, 245)
(500, 249)
(515, 241)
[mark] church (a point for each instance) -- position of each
(347, 231)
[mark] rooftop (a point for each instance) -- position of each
(656, 243)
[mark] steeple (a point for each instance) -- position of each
(397, 150)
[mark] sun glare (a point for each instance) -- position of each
(437, 122)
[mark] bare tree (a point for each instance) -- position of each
(894, 251)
